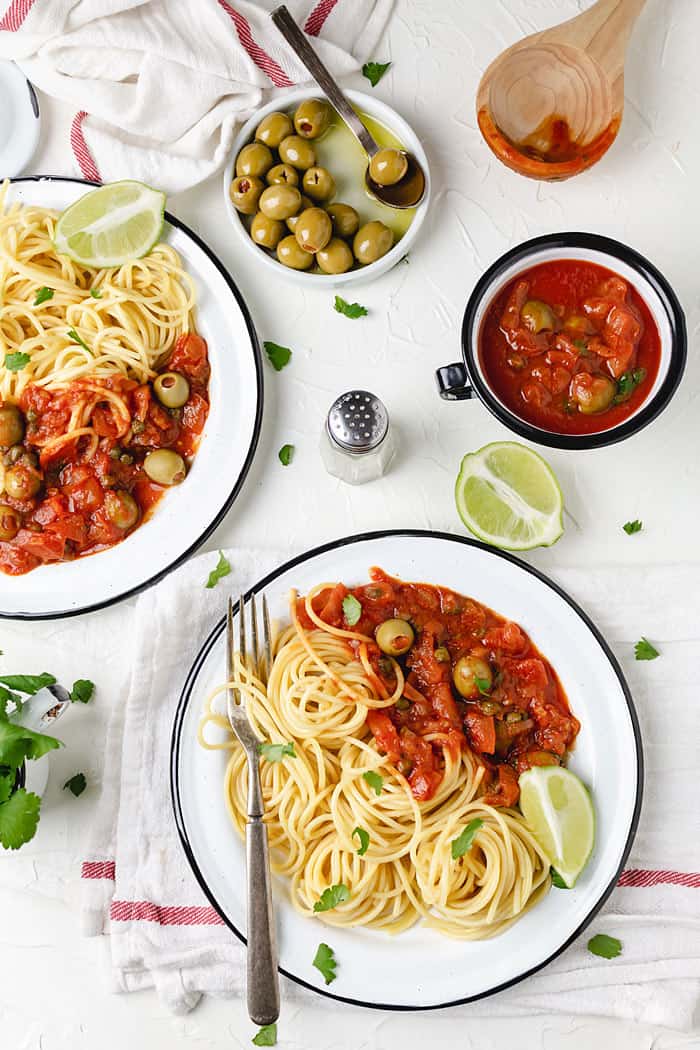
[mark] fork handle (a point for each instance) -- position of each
(263, 991)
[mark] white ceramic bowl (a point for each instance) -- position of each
(385, 115)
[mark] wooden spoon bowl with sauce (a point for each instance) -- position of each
(551, 105)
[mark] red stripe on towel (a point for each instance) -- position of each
(127, 911)
(317, 18)
(15, 15)
(98, 869)
(261, 58)
(646, 877)
(82, 153)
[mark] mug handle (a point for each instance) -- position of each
(453, 382)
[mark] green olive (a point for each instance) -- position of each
(578, 323)
(279, 202)
(537, 316)
(346, 221)
(22, 481)
(273, 128)
(297, 152)
(319, 184)
(336, 257)
(313, 231)
(10, 522)
(254, 159)
(394, 637)
(171, 389)
(245, 192)
(312, 118)
(165, 467)
(292, 221)
(122, 509)
(388, 166)
(592, 394)
(465, 674)
(290, 254)
(371, 241)
(282, 173)
(11, 426)
(267, 232)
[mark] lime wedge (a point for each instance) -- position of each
(112, 225)
(559, 811)
(509, 497)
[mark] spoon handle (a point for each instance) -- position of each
(306, 54)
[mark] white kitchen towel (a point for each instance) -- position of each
(139, 890)
(160, 86)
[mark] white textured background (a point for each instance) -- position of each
(53, 993)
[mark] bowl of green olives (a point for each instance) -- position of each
(295, 191)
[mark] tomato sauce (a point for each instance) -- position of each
(519, 717)
(570, 347)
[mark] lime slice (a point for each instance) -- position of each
(559, 811)
(112, 225)
(509, 497)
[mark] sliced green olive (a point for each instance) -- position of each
(171, 389)
(394, 637)
(537, 316)
(11, 426)
(592, 394)
(122, 509)
(254, 159)
(312, 117)
(22, 482)
(290, 254)
(388, 166)
(465, 674)
(273, 128)
(10, 522)
(165, 467)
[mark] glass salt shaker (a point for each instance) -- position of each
(357, 443)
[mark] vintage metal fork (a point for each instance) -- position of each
(263, 994)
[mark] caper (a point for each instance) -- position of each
(402, 704)
(336, 257)
(165, 467)
(10, 522)
(171, 389)
(267, 232)
(297, 152)
(514, 716)
(318, 183)
(122, 509)
(312, 117)
(394, 637)
(11, 426)
(273, 128)
(388, 166)
(245, 192)
(472, 676)
(371, 241)
(313, 231)
(442, 654)
(537, 316)
(282, 173)
(254, 159)
(292, 221)
(290, 254)
(346, 221)
(490, 707)
(279, 202)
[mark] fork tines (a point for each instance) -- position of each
(260, 660)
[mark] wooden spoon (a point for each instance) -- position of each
(551, 105)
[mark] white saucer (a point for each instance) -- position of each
(19, 121)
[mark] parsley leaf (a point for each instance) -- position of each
(627, 384)
(352, 610)
(27, 683)
(18, 743)
(285, 455)
(644, 650)
(604, 946)
(557, 879)
(325, 962)
(76, 784)
(483, 685)
(581, 345)
(351, 310)
(43, 295)
(7, 783)
(277, 355)
(631, 527)
(463, 843)
(267, 1036)
(332, 896)
(276, 752)
(82, 691)
(7, 697)
(223, 568)
(16, 362)
(374, 71)
(73, 335)
(95, 293)
(363, 836)
(19, 817)
(374, 780)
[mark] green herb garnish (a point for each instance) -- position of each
(375, 781)
(332, 896)
(352, 610)
(76, 785)
(604, 946)
(628, 383)
(483, 685)
(285, 455)
(267, 1036)
(557, 879)
(223, 568)
(631, 527)
(463, 843)
(19, 817)
(276, 752)
(16, 362)
(95, 293)
(351, 310)
(73, 335)
(277, 355)
(374, 71)
(27, 683)
(82, 691)
(581, 345)
(324, 960)
(43, 295)
(644, 650)
(363, 836)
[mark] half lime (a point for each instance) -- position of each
(559, 810)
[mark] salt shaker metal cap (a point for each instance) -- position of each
(357, 421)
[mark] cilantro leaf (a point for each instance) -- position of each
(7, 783)
(276, 752)
(557, 879)
(285, 455)
(43, 295)
(76, 784)
(223, 568)
(16, 362)
(375, 781)
(267, 1036)
(277, 355)
(628, 383)
(95, 293)
(324, 961)
(19, 817)
(604, 946)
(483, 685)
(27, 683)
(363, 836)
(644, 650)
(374, 71)
(351, 310)
(352, 610)
(631, 527)
(463, 843)
(332, 896)
(18, 743)
(82, 691)
(8, 697)
(74, 337)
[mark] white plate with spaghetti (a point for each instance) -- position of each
(115, 385)
(363, 817)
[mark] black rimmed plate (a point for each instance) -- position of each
(420, 969)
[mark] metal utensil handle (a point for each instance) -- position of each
(306, 54)
(263, 990)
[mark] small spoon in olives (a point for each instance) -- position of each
(394, 176)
